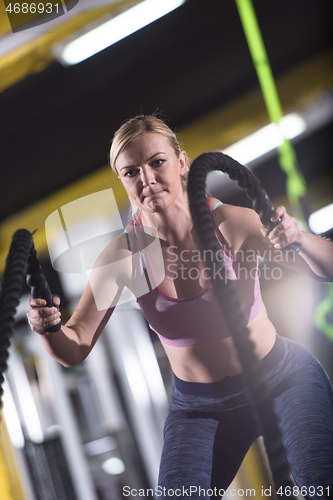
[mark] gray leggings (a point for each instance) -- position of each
(209, 427)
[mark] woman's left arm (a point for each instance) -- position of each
(315, 252)
(244, 234)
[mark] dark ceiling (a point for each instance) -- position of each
(56, 125)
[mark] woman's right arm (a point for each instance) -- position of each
(73, 342)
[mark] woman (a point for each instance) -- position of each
(209, 427)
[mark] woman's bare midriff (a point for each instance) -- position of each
(216, 359)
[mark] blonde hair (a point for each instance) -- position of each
(131, 129)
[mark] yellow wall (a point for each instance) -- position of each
(11, 487)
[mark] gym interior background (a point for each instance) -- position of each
(86, 432)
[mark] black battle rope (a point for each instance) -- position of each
(228, 298)
(21, 260)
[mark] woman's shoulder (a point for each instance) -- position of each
(128, 233)
(225, 210)
(237, 224)
(115, 250)
(129, 227)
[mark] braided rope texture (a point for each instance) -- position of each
(227, 295)
(21, 261)
(11, 291)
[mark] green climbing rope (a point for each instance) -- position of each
(322, 319)
(296, 186)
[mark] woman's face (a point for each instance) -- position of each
(151, 172)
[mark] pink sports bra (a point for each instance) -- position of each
(188, 321)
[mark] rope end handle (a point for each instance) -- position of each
(40, 289)
(264, 208)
